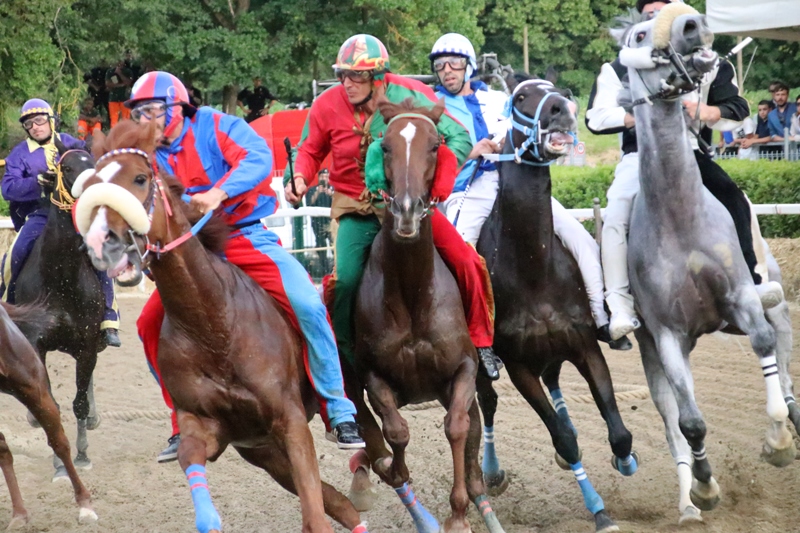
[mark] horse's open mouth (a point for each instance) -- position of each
(404, 234)
(558, 143)
(127, 273)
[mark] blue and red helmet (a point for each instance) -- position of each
(35, 106)
(159, 85)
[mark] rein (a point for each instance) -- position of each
(157, 189)
(66, 200)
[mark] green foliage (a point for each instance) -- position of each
(764, 182)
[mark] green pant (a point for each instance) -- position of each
(353, 242)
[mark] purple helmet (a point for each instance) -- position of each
(35, 106)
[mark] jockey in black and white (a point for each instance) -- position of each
(720, 108)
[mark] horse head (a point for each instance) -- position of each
(72, 163)
(410, 147)
(669, 53)
(544, 120)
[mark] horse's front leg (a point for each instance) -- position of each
(781, 321)
(594, 370)
(493, 476)
(395, 473)
(197, 444)
(81, 406)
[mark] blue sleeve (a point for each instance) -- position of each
(245, 152)
(775, 126)
(16, 186)
(71, 142)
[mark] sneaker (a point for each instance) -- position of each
(488, 363)
(770, 293)
(170, 453)
(346, 436)
(622, 324)
(622, 344)
(112, 338)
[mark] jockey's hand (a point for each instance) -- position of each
(708, 113)
(209, 200)
(300, 185)
(47, 180)
(482, 147)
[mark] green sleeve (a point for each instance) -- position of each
(456, 137)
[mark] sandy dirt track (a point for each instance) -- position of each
(133, 493)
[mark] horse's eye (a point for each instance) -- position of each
(435, 148)
(141, 179)
(640, 36)
(521, 98)
(384, 149)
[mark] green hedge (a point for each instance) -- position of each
(764, 182)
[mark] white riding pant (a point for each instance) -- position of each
(615, 234)
(477, 204)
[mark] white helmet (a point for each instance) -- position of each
(457, 45)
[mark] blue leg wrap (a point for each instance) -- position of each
(206, 515)
(626, 467)
(423, 520)
(490, 465)
(592, 500)
(561, 409)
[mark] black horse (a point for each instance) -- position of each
(59, 273)
(542, 310)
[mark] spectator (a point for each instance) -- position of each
(255, 100)
(780, 117)
(89, 120)
(795, 129)
(195, 95)
(96, 80)
(322, 196)
(136, 69)
(119, 82)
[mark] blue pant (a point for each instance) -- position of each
(21, 249)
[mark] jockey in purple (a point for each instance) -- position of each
(25, 165)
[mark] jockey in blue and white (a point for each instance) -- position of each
(21, 187)
(483, 111)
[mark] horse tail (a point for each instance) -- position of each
(32, 319)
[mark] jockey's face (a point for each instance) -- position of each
(39, 127)
(451, 71)
(357, 89)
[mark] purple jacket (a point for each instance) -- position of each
(20, 186)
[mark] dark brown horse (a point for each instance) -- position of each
(23, 375)
(228, 355)
(543, 317)
(412, 343)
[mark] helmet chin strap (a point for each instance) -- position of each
(365, 100)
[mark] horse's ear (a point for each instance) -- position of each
(511, 81)
(59, 145)
(388, 110)
(148, 139)
(437, 110)
(98, 144)
(551, 75)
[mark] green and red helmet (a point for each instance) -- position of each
(363, 52)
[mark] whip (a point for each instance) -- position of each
(288, 145)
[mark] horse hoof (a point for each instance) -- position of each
(779, 457)
(496, 483)
(690, 515)
(453, 525)
(93, 422)
(61, 474)
(603, 523)
(629, 469)
(82, 462)
(32, 420)
(362, 492)
(705, 495)
(87, 516)
(563, 464)
(18, 521)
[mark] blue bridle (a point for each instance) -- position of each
(533, 130)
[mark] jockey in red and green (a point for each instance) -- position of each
(343, 121)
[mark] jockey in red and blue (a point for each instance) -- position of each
(223, 163)
(21, 188)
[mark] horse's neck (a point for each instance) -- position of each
(668, 174)
(60, 243)
(408, 266)
(526, 214)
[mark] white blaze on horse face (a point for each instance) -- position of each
(408, 134)
(109, 171)
(98, 232)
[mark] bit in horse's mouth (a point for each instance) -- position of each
(125, 272)
(557, 143)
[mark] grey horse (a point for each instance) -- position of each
(687, 272)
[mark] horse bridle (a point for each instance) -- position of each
(66, 200)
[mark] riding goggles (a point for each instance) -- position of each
(358, 76)
(455, 62)
(39, 120)
(149, 110)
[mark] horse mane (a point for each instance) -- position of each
(129, 134)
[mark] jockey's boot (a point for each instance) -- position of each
(170, 453)
(112, 338)
(488, 363)
(346, 436)
(770, 293)
(621, 344)
(621, 324)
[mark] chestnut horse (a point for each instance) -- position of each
(228, 356)
(412, 342)
(23, 375)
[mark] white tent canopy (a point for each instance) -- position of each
(769, 19)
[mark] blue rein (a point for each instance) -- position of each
(200, 223)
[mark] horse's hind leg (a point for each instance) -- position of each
(494, 477)
(781, 321)
(594, 370)
(275, 462)
(664, 399)
(476, 488)
(93, 422)
(20, 516)
(85, 363)
(395, 430)
(566, 445)
(550, 378)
